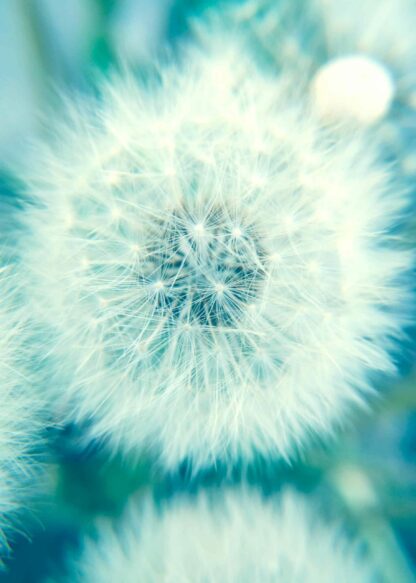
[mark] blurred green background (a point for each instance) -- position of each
(367, 476)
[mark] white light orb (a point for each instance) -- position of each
(353, 87)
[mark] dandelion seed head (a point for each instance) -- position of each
(22, 416)
(204, 268)
(237, 537)
(199, 312)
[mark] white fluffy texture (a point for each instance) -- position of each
(217, 270)
(235, 538)
(20, 411)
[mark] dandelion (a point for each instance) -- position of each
(358, 58)
(20, 413)
(236, 537)
(215, 273)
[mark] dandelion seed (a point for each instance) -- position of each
(21, 412)
(228, 321)
(237, 537)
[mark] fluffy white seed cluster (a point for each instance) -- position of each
(237, 537)
(215, 270)
(20, 411)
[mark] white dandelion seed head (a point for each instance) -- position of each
(236, 537)
(216, 270)
(21, 415)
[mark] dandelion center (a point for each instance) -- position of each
(204, 267)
